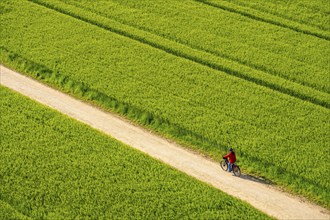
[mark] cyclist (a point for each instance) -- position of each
(231, 158)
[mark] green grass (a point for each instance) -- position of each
(312, 13)
(54, 167)
(231, 66)
(230, 35)
(9, 212)
(175, 90)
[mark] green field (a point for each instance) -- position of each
(314, 15)
(205, 73)
(53, 167)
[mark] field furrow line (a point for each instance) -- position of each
(276, 14)
(266, 20)
(205, 59)
(174, 40)
(243, 51)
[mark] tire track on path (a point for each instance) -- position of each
(262, 196)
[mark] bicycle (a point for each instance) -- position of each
(235, 168)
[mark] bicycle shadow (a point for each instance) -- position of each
(255, 179)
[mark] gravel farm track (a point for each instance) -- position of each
(262, 196)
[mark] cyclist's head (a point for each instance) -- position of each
(230, 149)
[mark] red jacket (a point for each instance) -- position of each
(231, 157)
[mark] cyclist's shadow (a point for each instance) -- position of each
(255, 179)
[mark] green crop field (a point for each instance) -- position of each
(314, 15)
(53, 167)
(209, 74)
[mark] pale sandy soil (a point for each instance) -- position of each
(260, 195)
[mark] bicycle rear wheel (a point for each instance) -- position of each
(224, 165)
(236, 170)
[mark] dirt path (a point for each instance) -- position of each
(263, 197)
